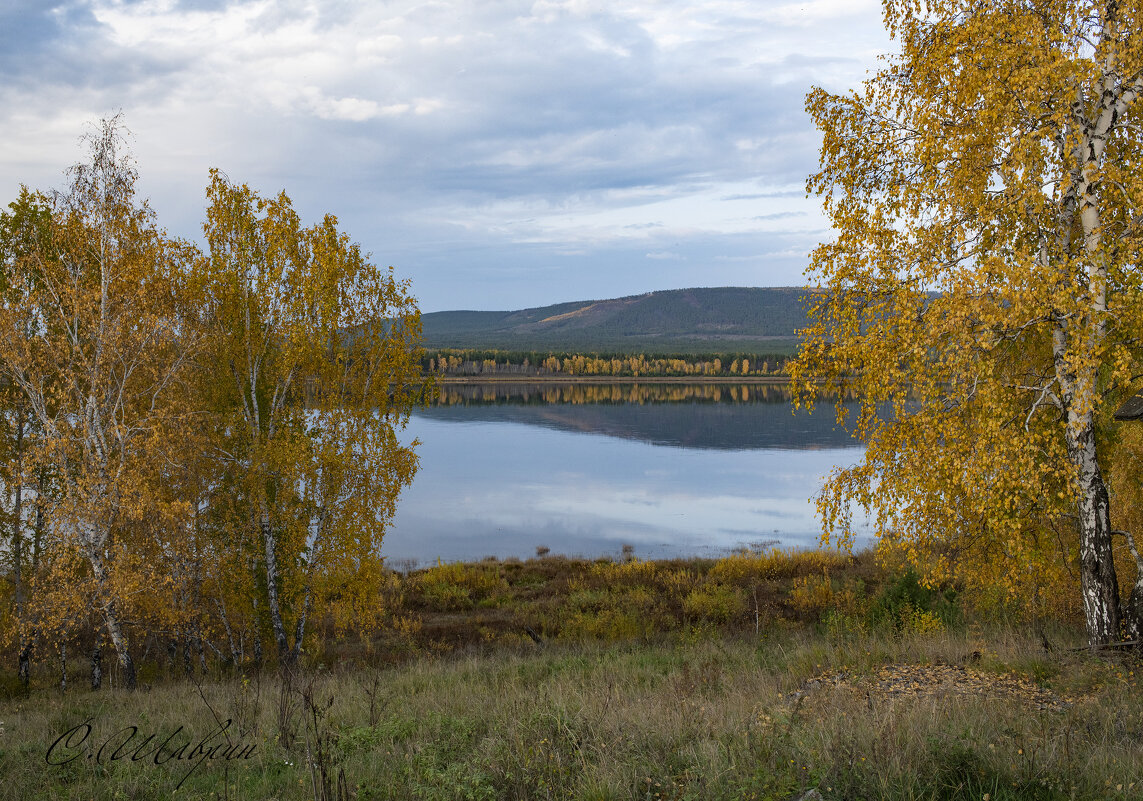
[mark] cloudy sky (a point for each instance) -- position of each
(499, 153)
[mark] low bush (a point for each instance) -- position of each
(907, 605)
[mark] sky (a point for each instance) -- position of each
(498, 154)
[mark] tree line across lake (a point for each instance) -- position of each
(543, 364)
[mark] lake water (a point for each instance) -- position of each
(669, 469)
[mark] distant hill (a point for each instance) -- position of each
(726, 319)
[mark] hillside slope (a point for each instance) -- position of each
(682, 320)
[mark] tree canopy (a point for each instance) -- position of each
(983, 284)
(201, 446)
(318, 350)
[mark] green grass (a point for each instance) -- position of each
(761, 676)
(702, 717)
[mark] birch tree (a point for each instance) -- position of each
(24, 229)
(91, 340)
(314, 353)
(986, 192)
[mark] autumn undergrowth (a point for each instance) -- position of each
(872, 688)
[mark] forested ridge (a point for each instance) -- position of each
(684, 321)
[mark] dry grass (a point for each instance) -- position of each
(687, 718)
(686, 699)
(497, 602)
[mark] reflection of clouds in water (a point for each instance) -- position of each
(754, 542)
(503, 489)
(683, 513)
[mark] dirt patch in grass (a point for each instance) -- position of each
(935, 681)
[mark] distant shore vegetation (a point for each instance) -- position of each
(546, 364)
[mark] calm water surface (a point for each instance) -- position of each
(670, 469)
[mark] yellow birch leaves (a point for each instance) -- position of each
(982, 289)
(218, 428)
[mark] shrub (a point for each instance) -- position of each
(774, 564)
(605, 624)
(715, 603)
(906, 604)
(455, 586)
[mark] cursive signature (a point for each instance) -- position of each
(75, 743)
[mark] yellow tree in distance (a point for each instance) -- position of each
(986, 192)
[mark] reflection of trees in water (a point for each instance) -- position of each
(544, 394)
(719, 416)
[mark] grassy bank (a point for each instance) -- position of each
(760, 676)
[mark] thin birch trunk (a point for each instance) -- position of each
(92, 542)
(299, 633)
(96, 668)
(24, 643)
(1099, 585)
(273, 578)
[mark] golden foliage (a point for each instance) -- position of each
(309, 367)
(635, 366)
(982, 293)
(94, 341)
(205, 443)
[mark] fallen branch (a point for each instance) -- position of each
(1109, 646)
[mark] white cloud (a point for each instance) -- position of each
(472, 126)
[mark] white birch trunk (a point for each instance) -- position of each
(1132, 614)
(93, 542)
(269, 542)
(1099, 585)
(1095, 123)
